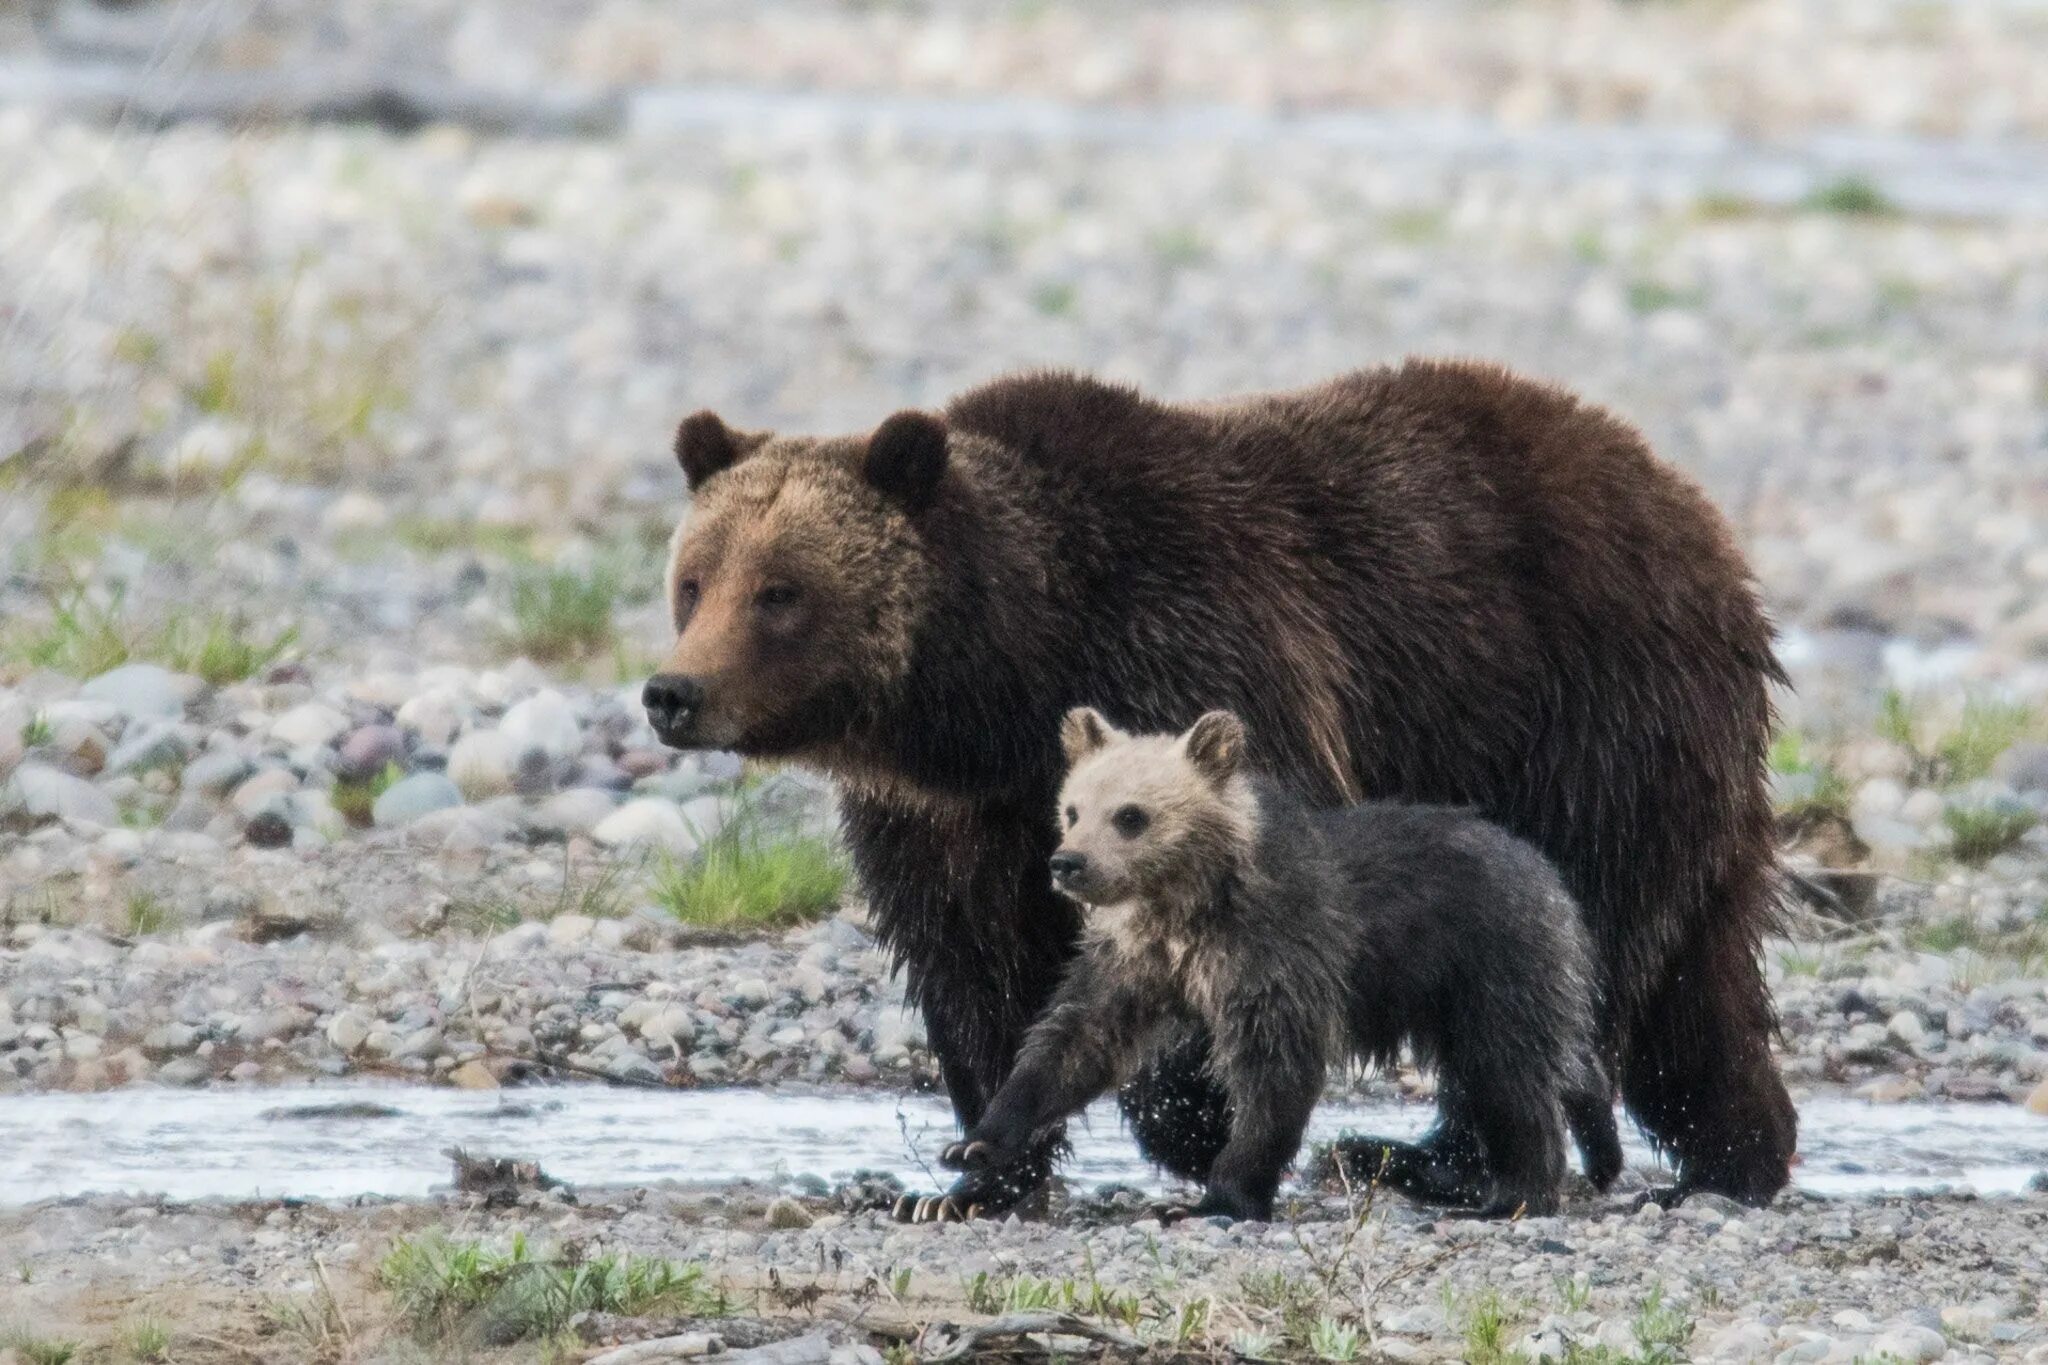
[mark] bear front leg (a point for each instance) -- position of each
(1095, 1032)
(962, 898)
(1273, 1063)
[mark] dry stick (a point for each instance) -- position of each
(1025, 1324)
(333, 1302)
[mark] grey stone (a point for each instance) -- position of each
(413, 797)
(141, 691)
(40, 792)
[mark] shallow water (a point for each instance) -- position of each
(196, 1144)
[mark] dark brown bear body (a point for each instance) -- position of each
(1436, 582)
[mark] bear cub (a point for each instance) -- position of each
(1300, 937)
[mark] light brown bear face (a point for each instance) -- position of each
(1150, 817)
(795, 582)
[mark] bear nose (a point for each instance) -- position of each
(1066, 865)
(671, 700)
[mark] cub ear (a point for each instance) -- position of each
(705, 445)
(1215, 745)
(906, 457)
(1083, 732)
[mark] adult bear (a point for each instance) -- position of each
(1438, 582)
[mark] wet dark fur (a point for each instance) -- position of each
(1437, 582)
(1414, 925)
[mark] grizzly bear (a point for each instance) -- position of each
(1298, 939)
(1436, 582)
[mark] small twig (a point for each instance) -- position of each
(333, 1302)
(1025, 1324)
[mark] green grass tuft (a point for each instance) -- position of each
(148, 915)
(1980, 833)
(1853, 196)
(35, 1350)
(744, 878)
(1986, 729)
(562, 614)
(220, 648)
(356, 798)
(465, 1290)
(145, 1341)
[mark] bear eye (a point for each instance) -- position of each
(777, 595)
(1073, 816)
(1130, 821)
(688, 591)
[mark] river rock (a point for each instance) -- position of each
(484, 763)
(142, 691)
(157, 744)
(576, 811)
(41, 792)
(264, 790)
(787, 1214)
(2024, 766)
(1909, 1342)
(649, 822)
(434, 717)
(368, 750)
(544, 722)
(215, 772)
(309, 726)
(412, 797)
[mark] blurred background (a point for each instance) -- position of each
(341, 346)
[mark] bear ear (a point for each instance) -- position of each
(1083, 732)
(906, 458)
(1215, 746)
(705, 445)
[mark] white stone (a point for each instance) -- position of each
(347, 1031)
(576, 811)
(46, 793)
(434, 716)
(142, 691)
(311, 725)
(483, 763)
(1909, 1342)
(356, 511)
(545, 721)
(1922, 809)
(650, 822)
(568, 930)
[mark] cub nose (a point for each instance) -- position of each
(671, 700)
(1066, 865)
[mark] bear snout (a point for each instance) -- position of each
(672, 703)
(1068, 867)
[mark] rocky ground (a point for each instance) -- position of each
(333, 492)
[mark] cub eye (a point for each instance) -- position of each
(1072, 815)
(1130, 821)
(687, 591)
(776, 595)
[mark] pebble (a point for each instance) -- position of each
(141, 691)
(309, 726)
(40, 792)
(483, 763)
(412, 797)
(648, 822)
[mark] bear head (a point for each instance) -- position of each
(1151, 818)
(796, 580)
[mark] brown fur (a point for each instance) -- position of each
(1437, 582)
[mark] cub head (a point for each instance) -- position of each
(795, 581)
(1145, 817)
